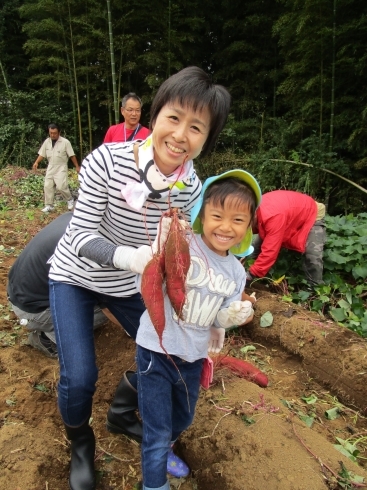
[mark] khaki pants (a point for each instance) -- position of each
(56, 178)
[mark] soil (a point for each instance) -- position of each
(243, 436)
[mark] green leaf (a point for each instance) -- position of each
(346, 453)
(266, 320)
(287, 404)
(332, 413)
(287, 298)
(307, 419)
(338, 314)
(247, 348)
(344, 304)
(304, 295)
(335, 257)
(42, 388)
(309, 399)
(359, 271)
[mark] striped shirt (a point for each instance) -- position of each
(102, 212)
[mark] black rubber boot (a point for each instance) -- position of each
(121, 416)
(83, 445)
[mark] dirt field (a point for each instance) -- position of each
(243, 436)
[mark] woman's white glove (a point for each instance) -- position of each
(135, 259)
(236, 314)
(132, 259)
(162, 234)
(216, 340)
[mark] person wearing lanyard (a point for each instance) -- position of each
(130, 129)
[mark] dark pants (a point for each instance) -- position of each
(168, 393)
(73, 313)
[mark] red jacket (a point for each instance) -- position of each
(284, 219)
(118, 134)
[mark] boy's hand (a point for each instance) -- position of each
(251, 297)
(238, 313)
(216, 340)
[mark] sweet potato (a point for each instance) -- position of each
(242, 368)
(152, 292)
(177, 263)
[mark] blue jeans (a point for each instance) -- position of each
(73, 312)
(168, 393)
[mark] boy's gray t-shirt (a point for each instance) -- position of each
(213, 282)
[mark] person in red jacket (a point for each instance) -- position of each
(294, 221)
(130, 129)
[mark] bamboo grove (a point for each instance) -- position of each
(296, 69)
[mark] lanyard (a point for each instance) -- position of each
(132, 136)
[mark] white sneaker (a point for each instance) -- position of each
(47, 209)
(71, 204)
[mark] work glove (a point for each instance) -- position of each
(236, 314)
(161, 238)
(216, 339)
(135, 259)
(132, 259)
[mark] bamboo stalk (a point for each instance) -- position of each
(76, 88)
(332, 84)
(113, 69)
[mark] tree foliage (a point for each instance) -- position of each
(296, 71)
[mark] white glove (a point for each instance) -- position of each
(132, 259)
(216, 339)
(236, 314)
(135, 259)
(162, 234)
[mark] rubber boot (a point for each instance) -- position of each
(121, 416)
(83, 445)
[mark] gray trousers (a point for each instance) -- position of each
(42, 322)
(312, 264)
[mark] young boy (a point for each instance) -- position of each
(168, 386)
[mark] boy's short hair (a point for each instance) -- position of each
(234, 187)
(243, 187)
(192, 87)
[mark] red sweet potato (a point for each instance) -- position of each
(152, 292)
(177, 263)
(242, 368)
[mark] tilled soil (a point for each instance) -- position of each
(243, 436)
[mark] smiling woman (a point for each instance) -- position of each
(179, 134)
(124, 190)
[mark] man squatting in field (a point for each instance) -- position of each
(28, 290)
(294, 221)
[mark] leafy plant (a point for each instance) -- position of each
(348, 478)
(343, 294)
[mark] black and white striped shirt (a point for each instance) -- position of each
(102, 212)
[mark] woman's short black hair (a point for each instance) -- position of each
(193, 88)
(229, 187)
